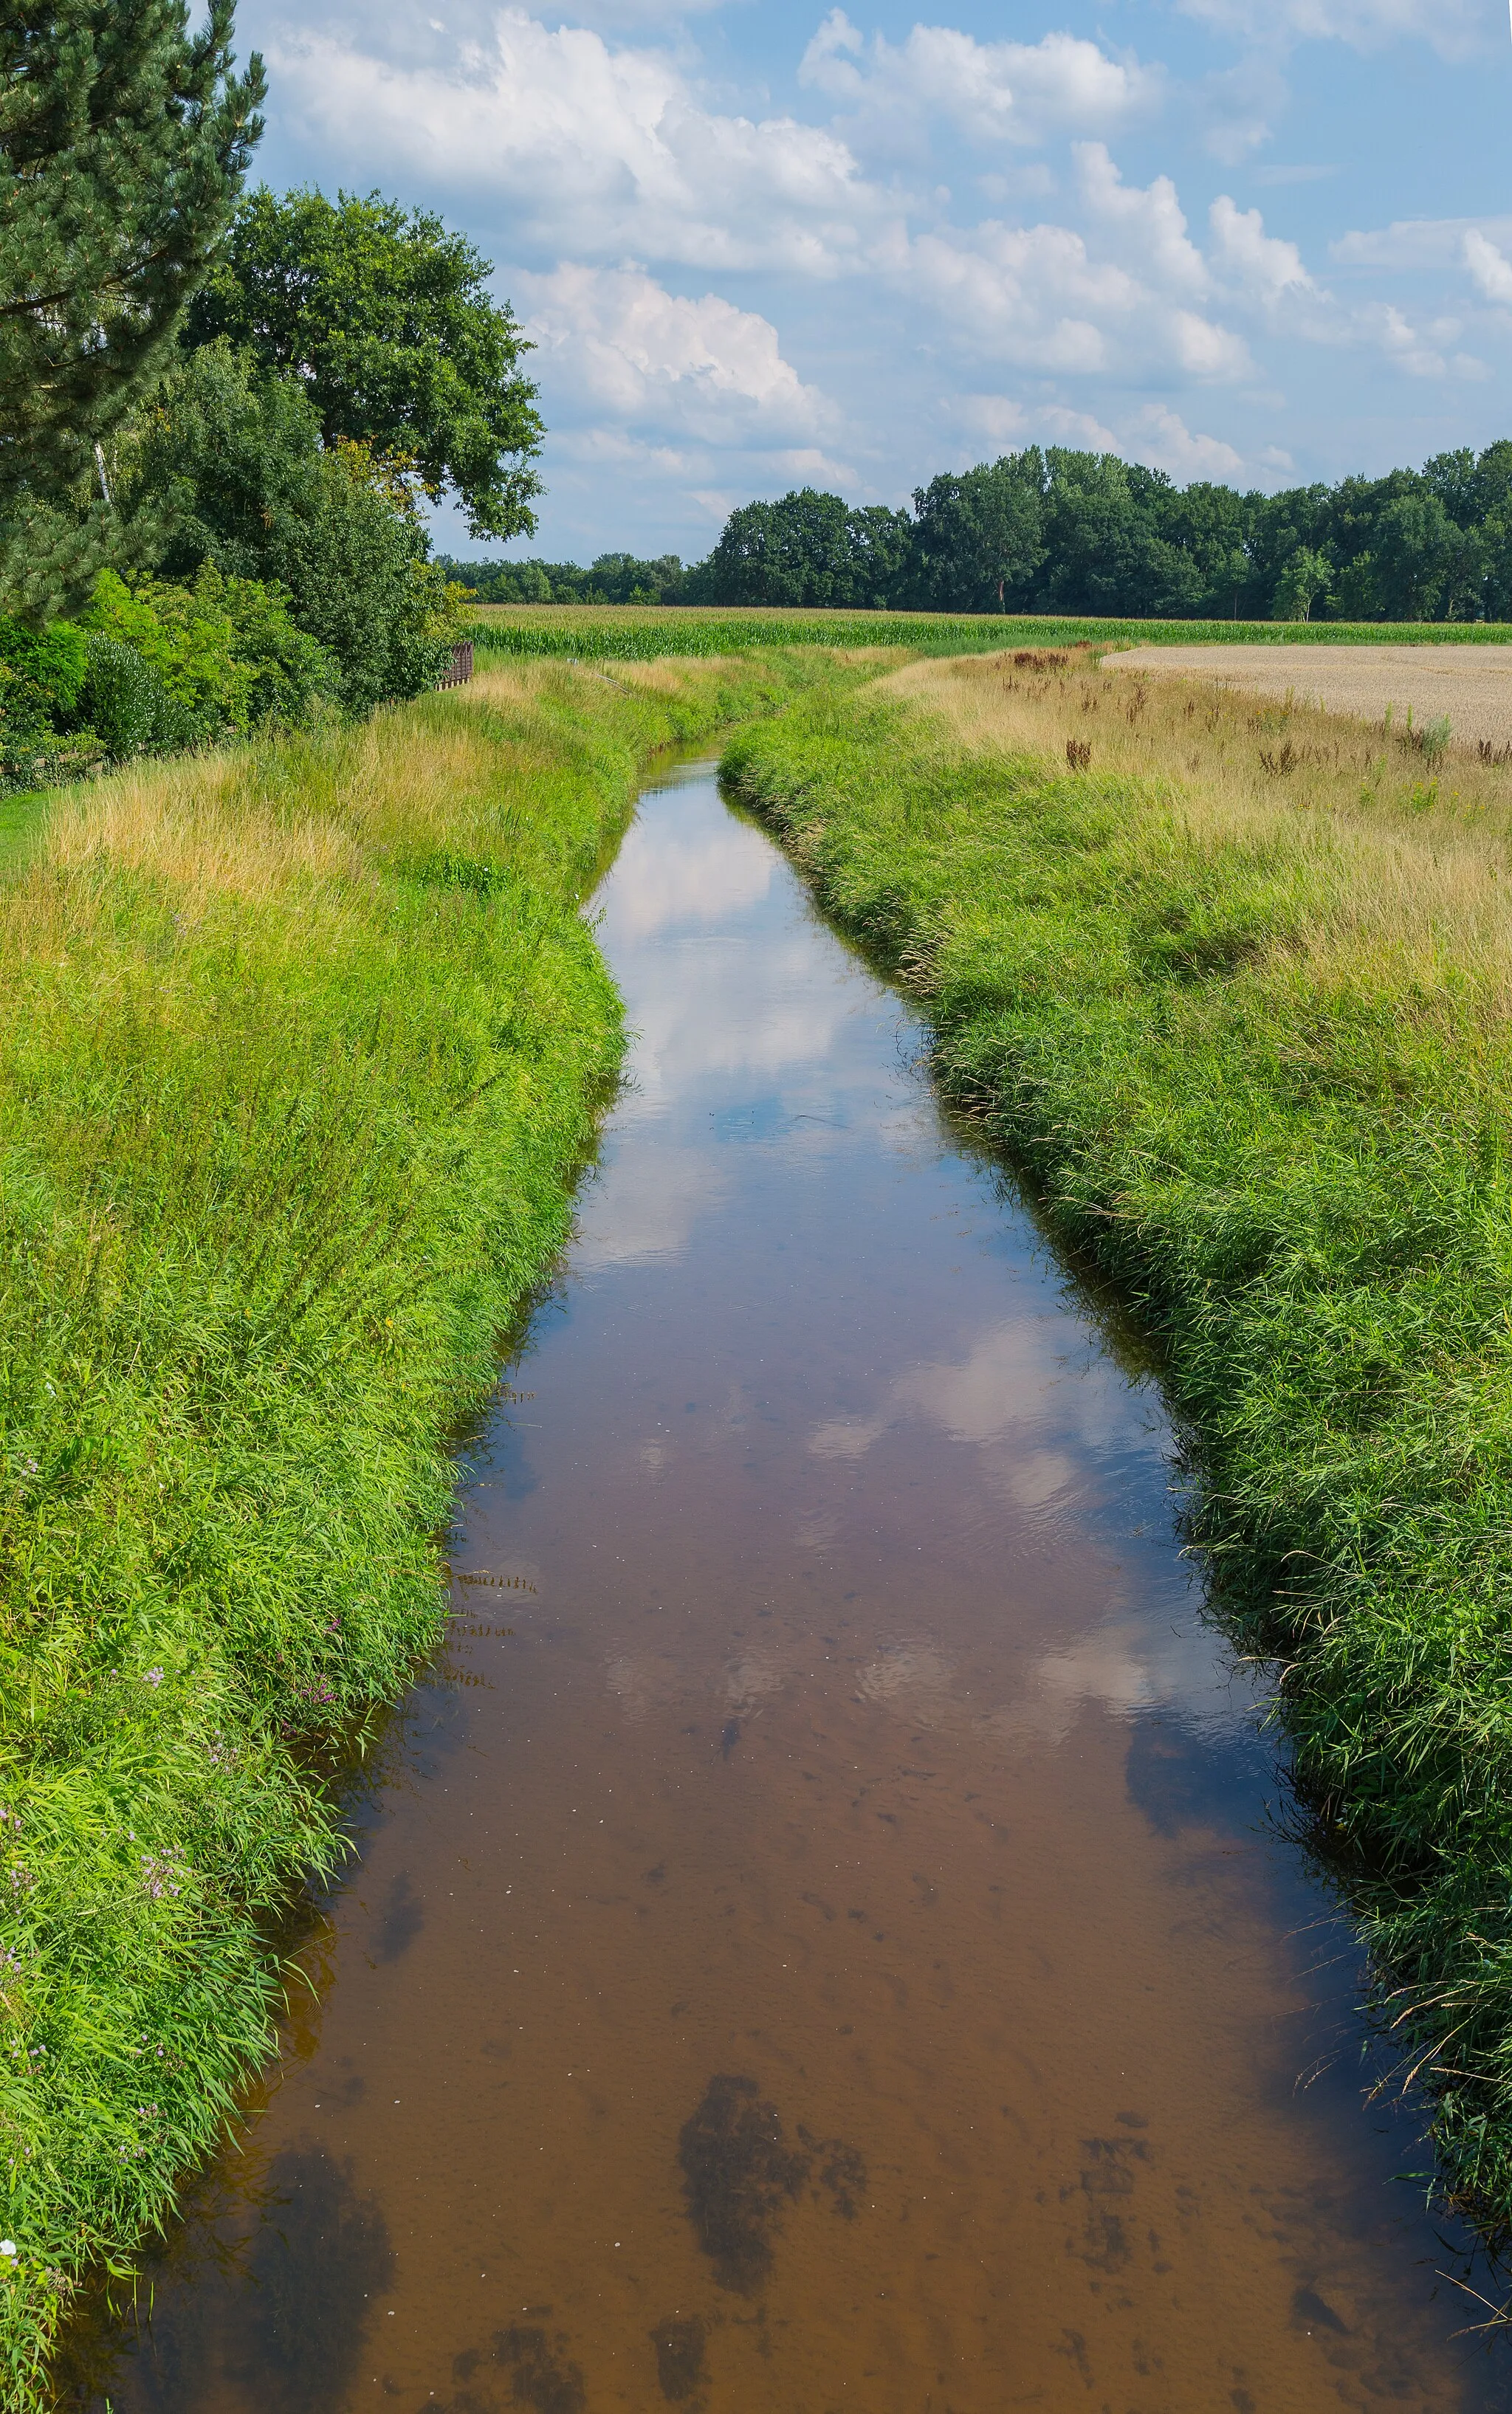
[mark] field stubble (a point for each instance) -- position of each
(1468, 686)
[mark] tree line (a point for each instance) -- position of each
(1061, 532)
(222, 412)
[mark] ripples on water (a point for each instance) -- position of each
(820, 1942)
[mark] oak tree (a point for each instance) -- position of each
(384, 316)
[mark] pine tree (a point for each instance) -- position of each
(123, 143)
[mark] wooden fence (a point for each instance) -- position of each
(461, 667)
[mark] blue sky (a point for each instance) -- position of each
(762, 244)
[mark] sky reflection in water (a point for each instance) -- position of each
(820, 1939)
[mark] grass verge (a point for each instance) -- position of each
(300, 1052)
(1239, 999)
(634, 632)
(22, 814)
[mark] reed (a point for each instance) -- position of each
(1234, 989)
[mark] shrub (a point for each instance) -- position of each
(365, 587)
(129, 704)
(187, 645)
(42, 675)
(52, 660)
(291, 675)
(225, 651)
(231, 458)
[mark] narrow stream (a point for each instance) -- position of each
(824, 1937)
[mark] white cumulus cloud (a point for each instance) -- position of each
(1143, 225)
(1454, 28)
(1165, 443)
(615, 343)
(1260, 264)
(1122, 297)
(1489, 267)
(991, 92)
(592, 150)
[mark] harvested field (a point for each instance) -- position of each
(1472, 684)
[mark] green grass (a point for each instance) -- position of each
(299, 1053)
(1251, 1045)
(634, 633)
(23, 815)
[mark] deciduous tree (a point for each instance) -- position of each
(1306, 576)
(229, 468)
(795, 550)
(384, 316)
(977, 539)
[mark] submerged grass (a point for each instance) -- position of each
(300, 1050)
(1236, 985)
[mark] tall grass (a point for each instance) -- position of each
(632, 632)
(300, 1049)
(1239, 993)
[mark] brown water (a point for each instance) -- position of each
(819, 1941)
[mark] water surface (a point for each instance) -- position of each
(823, 1940)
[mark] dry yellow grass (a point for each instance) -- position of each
(504, 678)
(670, 674)
(243, 823)
(239, 825)
(1401, 864)
(666, 676)
(527, 679)
(192, 825)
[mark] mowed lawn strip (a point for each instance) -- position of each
(301, 1049)
(1233, 980)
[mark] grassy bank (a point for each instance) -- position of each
(300, 1050)
(22, 813)
(634, 632)
(1237, 993)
